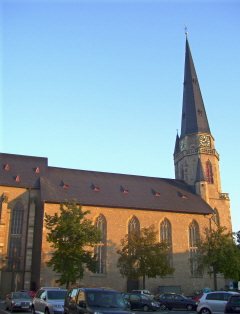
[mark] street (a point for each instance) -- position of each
(2, 310)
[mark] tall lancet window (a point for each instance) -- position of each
(193, 245)
(16, 231)
(166, 236)
(100, 248)
(209, 173)
(182, 172)
(215, 217)
(133, 225)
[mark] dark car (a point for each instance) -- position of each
(141, 302)
(81, 300)
(18, 301)
(31, 293)
(233, 304)
(177, 301)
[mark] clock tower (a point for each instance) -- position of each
(195, 157)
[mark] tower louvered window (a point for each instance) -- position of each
(100, 248)
(193, 242)
(166, 236)
(16, 231)
(209, 173)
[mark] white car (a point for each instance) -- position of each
(213, 302)
(144, 292)
(49, 301)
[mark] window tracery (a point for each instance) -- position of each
(100, 248)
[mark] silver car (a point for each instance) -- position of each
(49, 301)
(213, 302)
(18, 301)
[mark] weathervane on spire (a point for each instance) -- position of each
(186, 29)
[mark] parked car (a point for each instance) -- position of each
(145, 292)
(141, 302)
(49, 301)
(31, 293)
(81, 300)
(213, 302)
(233, 304)
(177, 301)
(18, 301)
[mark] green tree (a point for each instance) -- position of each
(142, 256)
(218, 253)
(71, 236)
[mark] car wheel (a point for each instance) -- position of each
(145, 308)
(205, 311)
(189, 307)
(163, 306)
(47, 311)
(169, 308)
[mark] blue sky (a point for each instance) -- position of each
(97, 85)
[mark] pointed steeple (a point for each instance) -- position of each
(177, 150)
(194, 118)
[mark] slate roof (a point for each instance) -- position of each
(99, 188)
(22, 171)
(194, 117)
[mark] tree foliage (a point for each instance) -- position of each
(142, 256)
(71, 236)
(218, 253)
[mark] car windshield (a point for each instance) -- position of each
(22, 295)
(56, 295)
(105, 299)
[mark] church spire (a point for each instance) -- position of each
(194, 118)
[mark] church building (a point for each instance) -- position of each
(179, 208)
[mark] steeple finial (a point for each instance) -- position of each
(186, 29)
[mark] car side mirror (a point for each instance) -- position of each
(82, 303)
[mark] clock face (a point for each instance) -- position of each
(183, 144)
(204, 141)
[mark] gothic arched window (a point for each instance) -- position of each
(182, 172)
(193, 242)
(100, 248)
(215, 217)
(209, 173)
(166, 235)
(16, 231)
(133, 225)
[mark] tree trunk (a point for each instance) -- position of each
(144, 282)
(215, 280)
